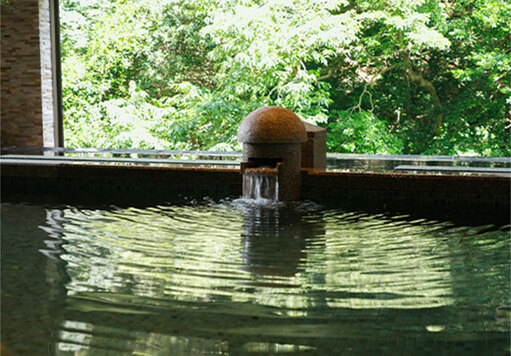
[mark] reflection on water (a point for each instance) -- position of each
(275, 237)
(237, 277)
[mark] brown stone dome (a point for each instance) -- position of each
(272, 124)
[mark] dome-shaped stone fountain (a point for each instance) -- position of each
(272, 140)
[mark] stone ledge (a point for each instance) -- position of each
(41, 178)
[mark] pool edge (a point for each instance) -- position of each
(43, 178)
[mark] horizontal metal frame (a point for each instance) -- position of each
(120, 160)
(456, 169)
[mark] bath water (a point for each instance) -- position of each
(236, 277)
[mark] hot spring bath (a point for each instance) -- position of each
(101, 256)
(233, 277)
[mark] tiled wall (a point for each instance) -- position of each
(26, 80)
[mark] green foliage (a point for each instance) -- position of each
(361, 132)
(385, 76)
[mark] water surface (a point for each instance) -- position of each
(234, 277)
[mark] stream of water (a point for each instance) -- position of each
(263, 187)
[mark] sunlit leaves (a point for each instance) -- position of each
(184, 73)
(361, 132)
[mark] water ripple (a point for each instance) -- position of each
(235, 267)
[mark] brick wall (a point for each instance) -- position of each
(26, 81)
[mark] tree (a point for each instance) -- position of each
(386, 76)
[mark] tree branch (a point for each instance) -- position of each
(329, 75)
(426, 85)
(364, 92)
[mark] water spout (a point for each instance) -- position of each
(272, 139)
(261, 185)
